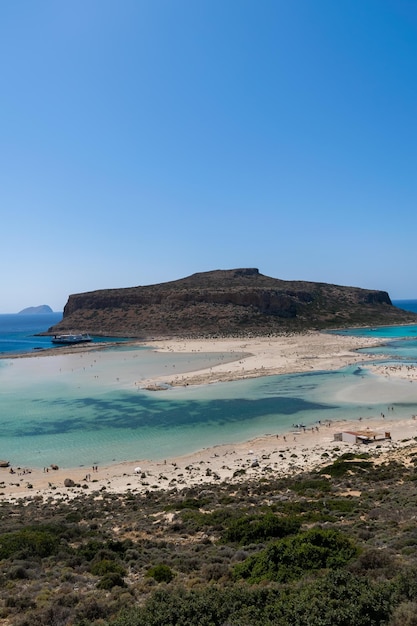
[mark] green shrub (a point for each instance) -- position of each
(18, 572)
(26, 543)
(96, 549)
(187, 503)
(291, 557)
(301, 486)
(251, 529)
(106, 566)
(350, 456)
(110, 580)
(90, 549)
(341, 505)
(341, 467)
(161, 573)
(195, 520)
(339, 598)
(209, 606)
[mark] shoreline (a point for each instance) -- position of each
(267, 455)
(69, 349)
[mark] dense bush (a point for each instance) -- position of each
(193, 520)
(211, 606)
(341, 467)
(338, 599)
(28, 542)
(107, 566)
(110, 580)
(254, 528)
(303, 485)
(161, 573)
(291, 557)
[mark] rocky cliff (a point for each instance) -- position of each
(226, 302)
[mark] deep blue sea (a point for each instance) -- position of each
(55, 410)
(18, 332)
(407, 305)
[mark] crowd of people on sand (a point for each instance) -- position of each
(406, 371)
(20, 472)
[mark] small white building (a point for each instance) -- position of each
(361, 436)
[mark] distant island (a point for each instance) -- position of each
(36, 310)
(226, 303)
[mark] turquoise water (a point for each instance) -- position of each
(384, 332)
(73, 418)
(388, 332)
(88, 411)
(400, 342)
(399, 350)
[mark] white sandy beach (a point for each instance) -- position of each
(267, 356)
(272, 455)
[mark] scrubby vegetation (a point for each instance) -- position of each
(336, 547)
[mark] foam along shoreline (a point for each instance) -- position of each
(271, 454)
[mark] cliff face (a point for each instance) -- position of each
(226, 302)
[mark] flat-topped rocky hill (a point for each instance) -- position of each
(226, 303)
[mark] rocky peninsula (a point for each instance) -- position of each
(226, 303)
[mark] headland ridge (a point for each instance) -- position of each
(237, 302)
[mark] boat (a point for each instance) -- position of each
(71, 338)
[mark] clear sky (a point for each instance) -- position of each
(145, 140)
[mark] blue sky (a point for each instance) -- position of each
(145, 140)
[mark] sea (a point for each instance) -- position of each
(52, 411)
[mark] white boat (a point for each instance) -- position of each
(71, 338)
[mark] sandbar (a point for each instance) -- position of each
(267, 356)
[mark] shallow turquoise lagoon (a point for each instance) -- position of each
(383, 332)
(52, 411)
(87, 411)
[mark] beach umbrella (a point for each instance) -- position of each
(138, 470)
